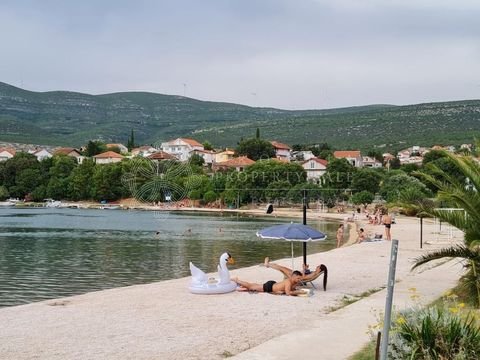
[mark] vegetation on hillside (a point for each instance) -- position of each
(71, 119)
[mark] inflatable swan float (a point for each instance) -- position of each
(201, 284)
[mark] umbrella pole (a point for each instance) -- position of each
(304, 223)
(293, 268)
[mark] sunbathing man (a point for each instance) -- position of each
(286, 286)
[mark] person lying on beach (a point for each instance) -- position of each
(286, 286)
(306, 276)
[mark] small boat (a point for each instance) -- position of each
(7, 203)
(110, 207)
(50, 203)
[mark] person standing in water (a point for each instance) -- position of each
(340, 231)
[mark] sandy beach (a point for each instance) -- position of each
(164, 321)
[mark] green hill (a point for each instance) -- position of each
(70, 118)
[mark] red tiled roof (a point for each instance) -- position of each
(9, 150)
(65, 151)
(108, 155)
(318, 160)
(347, 154)
(279, 145)
(114, 145)
(190, 142)
(236, 162)
(161, 155)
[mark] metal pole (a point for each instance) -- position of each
(304, 223)
(389, 301)
(421, 232)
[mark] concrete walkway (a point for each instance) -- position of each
(340, 334)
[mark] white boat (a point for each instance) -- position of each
(110, 207)
(7, 203)
(50, 203)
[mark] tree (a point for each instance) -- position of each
(256, 149)
(207, 145)
(4, 194)
(458, 193)
(94, 148)
(376, 154)
(107, 183)
(26, 182)
(58, 185)
(339, 175)
(394, 184)
(394, 163)
(131, 141)
(257, 134)
(366, 180)
(362, 197)
(80, 181)
(196, 159)
(210, 196)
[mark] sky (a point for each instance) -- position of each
(289, 54)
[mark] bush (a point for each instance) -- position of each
(434, 333)
(363, 197)
(210, 196)
(4, 193)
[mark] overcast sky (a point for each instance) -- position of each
(292, 54)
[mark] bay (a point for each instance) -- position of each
(49, 253)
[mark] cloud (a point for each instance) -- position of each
(291, 54)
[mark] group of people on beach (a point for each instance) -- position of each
(288, 286)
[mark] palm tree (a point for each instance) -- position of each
(457, 194)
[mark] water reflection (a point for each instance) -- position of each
(50, 253)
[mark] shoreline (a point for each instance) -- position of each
(163, 320)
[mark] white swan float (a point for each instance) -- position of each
(201, 284)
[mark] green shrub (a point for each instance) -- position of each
(210, 196)
(434, 333)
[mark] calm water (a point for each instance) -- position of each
(50, 253)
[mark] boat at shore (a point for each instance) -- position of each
(7, 203)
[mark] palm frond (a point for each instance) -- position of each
(458, 251)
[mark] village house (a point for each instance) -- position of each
(302, 155)
(239, 164)
(123, 149)
(282, 151)
(181, 148)
(68, 151)
(7, 153)
(208, 156)
(371, 162)
(354, 157)
(315, 168)
(41, 154)
(144, 151)
(224, 155)
(107, 157)
(160, 156)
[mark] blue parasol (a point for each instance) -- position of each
(292, 232)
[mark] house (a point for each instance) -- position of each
(123, 149)
(7, 153)
(315, 168)
(354, 157)
(68, 151)
(302, 155)
(108, 157)
(239, 164)
(371, 162)
(42, 154)
(160, 156)
(208, 156)
(282, 151)
(181, 148)
(144, 151)
(224, 155)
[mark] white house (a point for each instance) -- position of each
(42, 154)
(315, 168)
(108, 157)
(371, 162)
(302, 155)
(144, 151)
(7, 153)
(123, 149)
(282, 151)
(208, 156)
(68, 151)
(181, 148)
(354, 157)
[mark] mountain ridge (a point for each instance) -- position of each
(73, 118)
